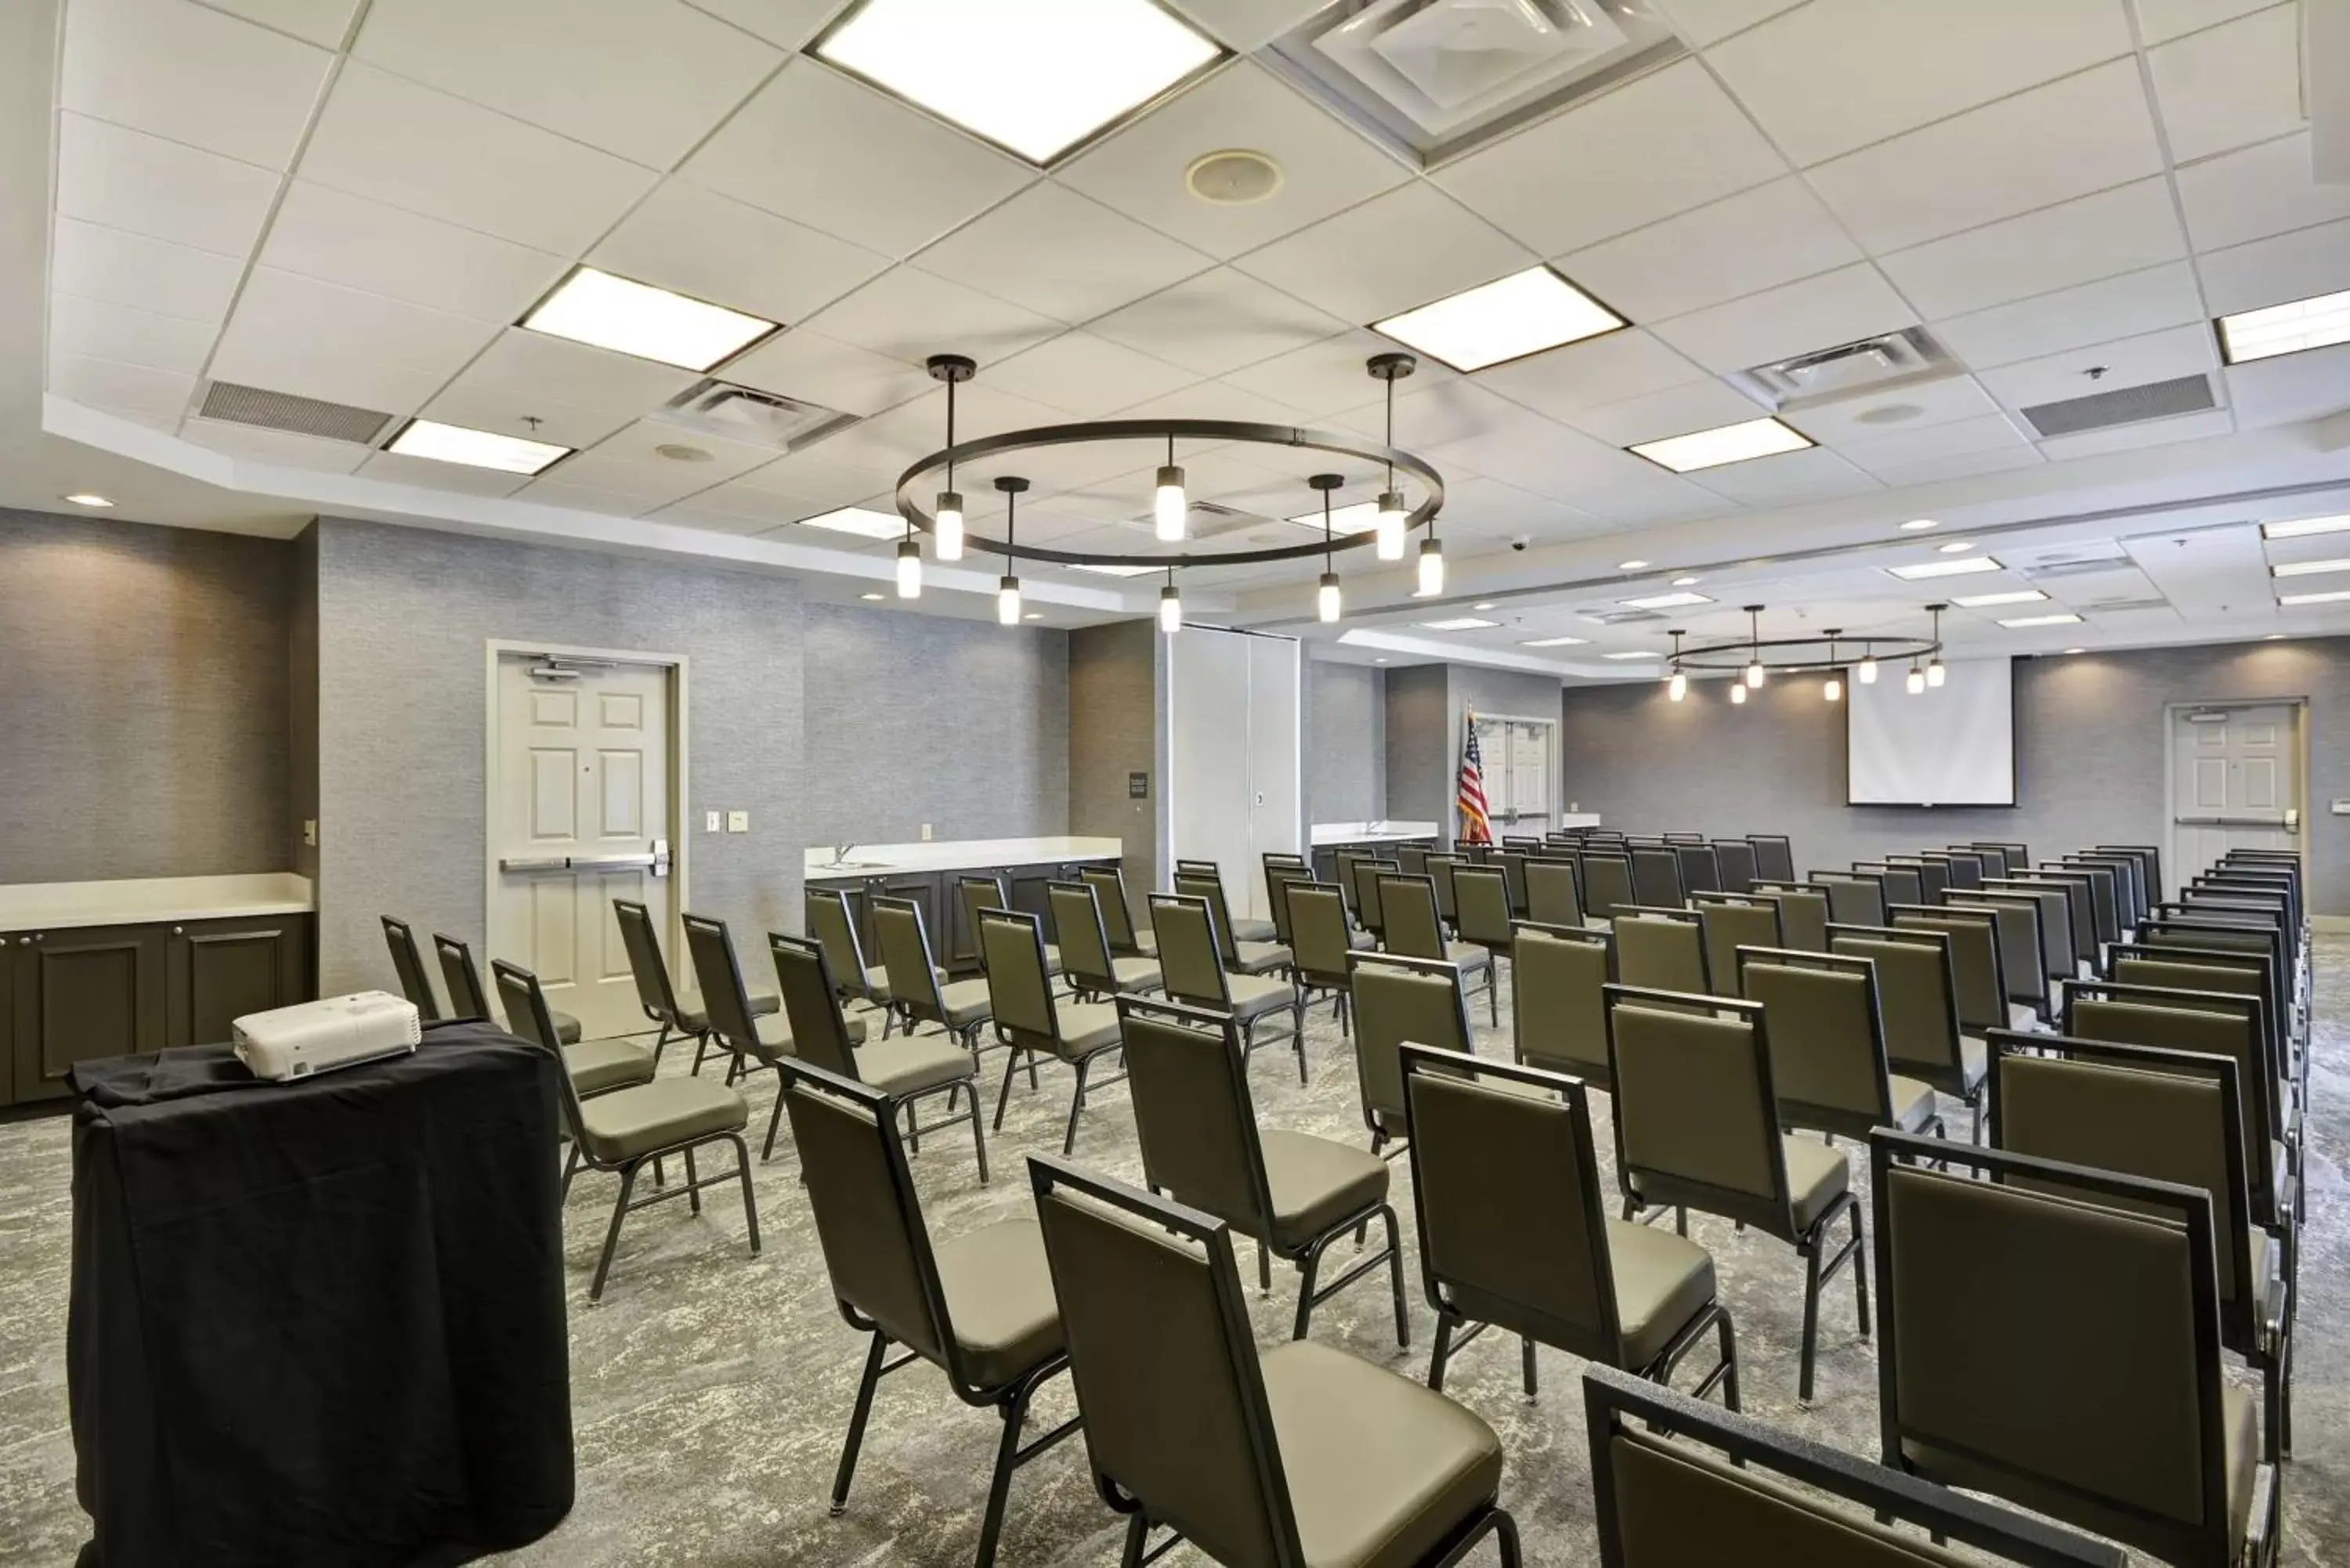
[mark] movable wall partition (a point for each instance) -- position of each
(1232, 723)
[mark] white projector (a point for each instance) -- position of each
(313, 1037)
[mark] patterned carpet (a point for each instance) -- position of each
(712, 1390)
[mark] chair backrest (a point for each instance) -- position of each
(1966, 866)
(828, 917)
(1208, 890)
(718, 975)
(1917, 995)
(1607, 883)
(1409, 906)
(2022, 959)
(2056, 955)
(2150, 859)
(906, 957)
(1164, 1367)
(1186, 1074)
(646, 966)
(1727, 924)
(1933, 877)
(1439, 880)
(1803, 914)
(1697, 1117)
(1411, 859)
(2214, 1023)
(1553, 892)
(1994, 858)
(1280, 876)
(2104, 878)
(2081, 904)
(2132, 900)
(1399, 1000)
(1974, 959)
(1559, 1021)
(1109, 883)
(1019, 991)
(1700, 872)
(1735, 859)
(2210, 936)
(1505, 1187)
(1317, 932)
(526, 1005)
(812, 1004)
(1663, 950)
(1480, 905)
(2118, 1430)
(2205, 969)
(407, 963)
(462, 980)
(974, 892)
(1512, 864)
(1656, 877)
(1189, 966)
(1368, 873)
(1827, 1039)
(1853, 900)
(1775, 857)
(1080, 931)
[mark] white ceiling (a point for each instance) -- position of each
(355, 200)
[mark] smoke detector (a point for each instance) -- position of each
(1235, 177)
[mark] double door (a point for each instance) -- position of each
(1234, 745)
(2235, 783)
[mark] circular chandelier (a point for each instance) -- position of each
(1755, 659)
(928, 502)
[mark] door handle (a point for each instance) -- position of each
(2292, 820)
(661, 858)
(611, 862)
(534, 863)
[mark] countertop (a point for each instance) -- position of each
(1329, 833)
(33, 905)
(956, 854)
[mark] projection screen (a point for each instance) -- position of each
(1950, 746)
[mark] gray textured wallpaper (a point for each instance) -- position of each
(968, 723)
(1418, 761)
(143, 698)
(2089, 757)
(1113, 731)
(1346, 743)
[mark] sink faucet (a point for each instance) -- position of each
(841, 852)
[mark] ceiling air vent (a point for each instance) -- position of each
(745, 414)
(2123, 406)
(1870, 366)
(1620, 617)
(2119, 607)
(284, 411)
(2103, 566)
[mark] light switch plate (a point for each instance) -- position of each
(926, 832)
(738, 822)
(310, 832)
(2341, 807)
(710, 822)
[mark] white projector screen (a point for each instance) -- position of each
(1950, 745)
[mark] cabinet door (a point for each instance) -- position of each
(918, 889)
(8, 940)
(222, 970)
(84, 993)
(1029, 895)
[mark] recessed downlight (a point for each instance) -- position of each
(1685, 582)
(873, 597)
(1459, 623)
(474, 449)
(1723, 444)
(1919, 524)
(1955, 546)
(90, 499)
(1508, 318)
(636, 318)
(1631, 565)
(1629, 654)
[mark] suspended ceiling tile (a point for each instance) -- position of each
(314, 339)
(1959, 465)
(806, 365)
(1788, 479)
(130, 180)
(1219, 321)
(95, 330)
(2125, 229)
(909, 315)
(1755, 240)
(2230, 86)
(396, 468)
(1703, 22)
(109, 384)
(327, 235)
(124, 268)
(582, 393)
(1332, 376)
(1086, 376)
(2256, 192)
(2123, 362)
(2289, 387)
(191, 75)
(786, 24)
(1894, 411)
(2159, 21)
(1393, 253)
(1905, 449)
(2112, 307)
(692, 240)
(1821, 312)
(1678, 411)
(2281, 267)
(1061, 255)
(1564, 381)
(1245, 26)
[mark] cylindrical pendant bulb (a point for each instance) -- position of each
(909, 570)
(1170, 611)
(1677, 686)
(1737, 691)
(949, 531)
(1832, 690)
(1755, 673)
(1007, 602)
(1390, 526)
(1936, 674)
(1171, 505)
(1867, 672)
(1917, 681)
(1326, 599)
(1431, 567)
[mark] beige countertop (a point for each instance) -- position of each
(34, 906)
(955, 854)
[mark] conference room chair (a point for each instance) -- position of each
(1293, 1193)
(1553, 892)
(1677, 1483)
(1697, 1127)
(2290, 999)
(1096, 969)
(1558, 1022)
(1896, 884)
(1279, 877)
(1295, 1456)
(1917, 992)
(1933, 877)
(1031, 1022)
(1440, 881)
(2059, 955)
(1399, 1000)
(1321, 941)
(829, 916)
(752, 1040)
(1480, 899)
(1700, 871)
(909, 1069)
(977, 892)
(408, 964)
(1683, 838)
(1656, 877)
(2017, 853)
(1965, 867)
(917, 993)
(1607, 883)
(1250, 958)
(2104, 895)
(681, 1017)
(2168, 1115)
(1365, 891)
(1191, 973)
(1734, 858)
(2132, 902)
(1975, 971)
(2149, 858)
(1853, 900)
(1514, 1232)
(1274, 860)
(1512, 864)
(1803, 914)
(1415, 929)
(1249, 930)
(2052, 1337)
(1828, 1064)
(1411, 859)
(2022, 956)
(2242, 974)
(1528, 841)
(623, 1130)
(979, 1307)
(1109, 883)
(467, 999)
(1727, 923)
(1661, 949)
(1775, 857)
(1994, 858)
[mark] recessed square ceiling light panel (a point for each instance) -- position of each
(1741, 442)
(1644, 654)
(2334, 597)
(1459, 623)
(861, 521)
(1556, 642)
(631, 317)
(2303, 527)
(2319, 322)
(1985, 601)
(1118, 571)
(1665, 601)
(1361, 518)
(1509, 318)
(1957, 566)
(1034, 76)
(474, 449)
(2066, 618)
(2312, 569)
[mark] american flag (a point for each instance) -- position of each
(1474, 828)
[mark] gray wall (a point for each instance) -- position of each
(917, 718)
(1113, 731)
(1346, 743)
(302, 699)
(404, 618)
(143, 701)
(2089, 757)
(1419, 781)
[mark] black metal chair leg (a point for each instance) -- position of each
(612, 1233)
(1307, 1270)
(1526, 1356)
(1443, 1351)
(1395, 1281)
(1860, 1271)
(1003, 1090)
(1137, 1533)
(1810, 1321)
(659, 1040)
(1493, 994)
(1729, 1343)
(1263, 1270)
(1505, 1540)
(1076, 1104)
(979, 1133)
(750, 1199)
(570, 1169)
(692, 1184)
(864, 1408)
(775, 1120)
(1007, 1455)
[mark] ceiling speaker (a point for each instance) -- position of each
(1233, 178)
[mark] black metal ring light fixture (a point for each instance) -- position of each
(1798, 655)
(954, 368)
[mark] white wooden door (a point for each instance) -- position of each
(2237, 783)
(1276, 802)
(580, 818)
(1514, 757)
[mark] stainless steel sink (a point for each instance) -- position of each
(852, 865)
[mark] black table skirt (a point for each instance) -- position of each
(319, 1322)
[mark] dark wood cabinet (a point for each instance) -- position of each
(219, 970)
(954, 944)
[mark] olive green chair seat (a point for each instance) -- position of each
(965, 1002)
(598, 1066)
(1316, 1182)
(1380, 1471)
(1261, 932)
(1254, 995)
(998, 1296)
(910, 1064)
(1136, 974)
(660, 1115)
(1662, 1281)
(1086, 1026)
(1817, 1175)
(775, 1032)
(1260, 958)
(696, 1017)
(1913, 1103)
(1472, 958)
